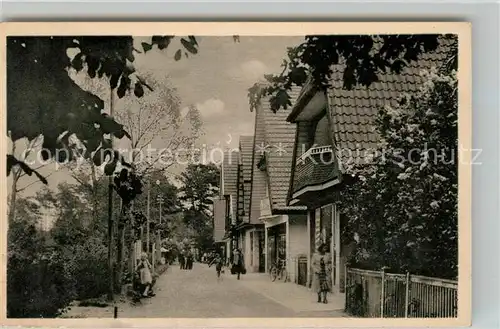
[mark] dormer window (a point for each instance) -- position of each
(322, 131)
(319, 139)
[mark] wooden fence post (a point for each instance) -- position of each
(382, 295)
(407, 294)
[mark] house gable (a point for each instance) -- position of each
(351, 116)
(230, 181)
(258, 177)
(245, 177)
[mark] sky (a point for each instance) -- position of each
(216, 80)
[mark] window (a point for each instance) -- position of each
(322, 132)
(319, 133)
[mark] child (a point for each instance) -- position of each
(218, 264)
(146, 278)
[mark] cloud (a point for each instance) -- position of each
(250, 71)
(244, 128)
(210, 107)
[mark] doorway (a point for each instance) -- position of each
(262, 252)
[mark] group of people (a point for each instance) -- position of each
(186, 260)
(237, 263)
(321, 267)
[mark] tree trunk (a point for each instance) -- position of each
(121, 247)
(13, 197)
(95, 196)
(132, 247)
(13, 192)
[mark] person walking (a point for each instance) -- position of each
(238, 264)
(182, 260)
(218, 262)
(189, 260)
(321, 283)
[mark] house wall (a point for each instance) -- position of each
(251, 254)
(298, 242)
(219, 219)
(258, 177)
(228, 251)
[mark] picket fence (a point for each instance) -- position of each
(388, 295)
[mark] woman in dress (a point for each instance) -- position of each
(144, 268)
(321, 273)
(238, 263)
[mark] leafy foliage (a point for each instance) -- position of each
(199, 185)
(403, 206)
(363, 57)
(48, 269)
(128, 185)
(55, 106)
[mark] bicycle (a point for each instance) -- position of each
(278, 271)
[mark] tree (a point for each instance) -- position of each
(199, 186)
(363, 57)
(56, 107)
(404, 204)
(170, 206)
(157, 117)
(18, 173)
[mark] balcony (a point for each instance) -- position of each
(316, 151)
(316, 170)
(265, 207)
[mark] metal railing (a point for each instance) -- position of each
(315, 150)
(389, 295)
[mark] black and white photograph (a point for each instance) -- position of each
(244, 175)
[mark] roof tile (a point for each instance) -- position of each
(353, 111)
(280, 136)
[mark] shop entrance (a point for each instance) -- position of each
(276, 244)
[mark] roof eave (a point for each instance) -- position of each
(289, 210)
(307, 93)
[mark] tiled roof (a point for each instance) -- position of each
(280, 140)
(353, 112)
(246, 146)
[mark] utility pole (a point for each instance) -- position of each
(147, 219)
(110, 217)
(158, 233)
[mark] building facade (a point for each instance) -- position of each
(284, 227)
(335, 131)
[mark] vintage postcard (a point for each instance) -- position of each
(236, 174)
